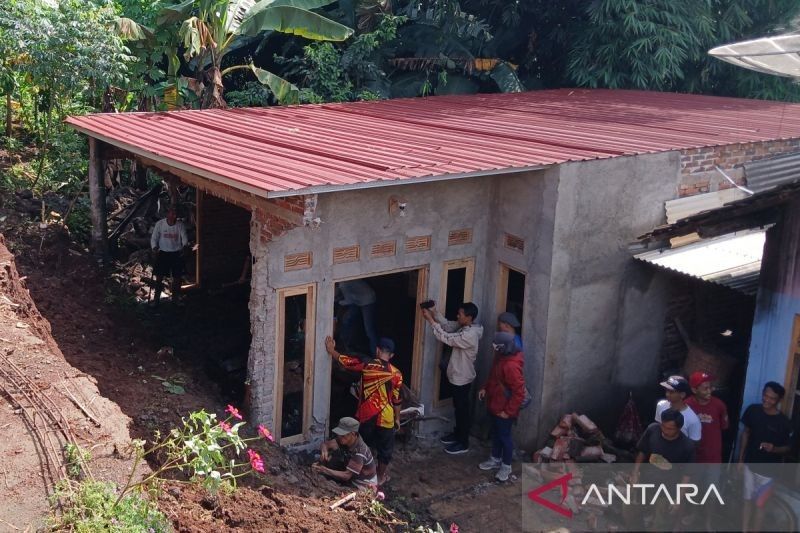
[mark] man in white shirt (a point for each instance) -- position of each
(167, 241)
(677, 389)
(463, 335)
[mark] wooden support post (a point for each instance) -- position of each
(97, 196)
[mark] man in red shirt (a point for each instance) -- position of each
(713, 415)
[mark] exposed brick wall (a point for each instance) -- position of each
(265, 227)
(272, 226)
(697, 174)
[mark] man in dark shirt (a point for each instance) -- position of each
(765, 439)
(663, 445)
(360, 467)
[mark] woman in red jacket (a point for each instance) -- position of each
(504, 392)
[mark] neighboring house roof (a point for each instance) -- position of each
(284, 151)
(776, 55)
(732, 260)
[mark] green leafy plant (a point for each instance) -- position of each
(75, 458)
(90, 506)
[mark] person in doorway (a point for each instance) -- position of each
(765, 440)
(346, 457)
(463, 335)
(504, 392)
(379, 399)
(677, 390)
(662, 446)
(357, 298)
(508, 322)
(168, 241)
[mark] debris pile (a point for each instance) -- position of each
(576, 439)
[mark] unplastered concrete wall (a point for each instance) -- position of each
(605, 312)
(363, 218)
(523, 206)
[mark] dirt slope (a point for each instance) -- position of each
(26, 341)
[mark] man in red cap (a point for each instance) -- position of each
(713, 416)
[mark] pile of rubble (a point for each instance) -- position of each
(576, 439)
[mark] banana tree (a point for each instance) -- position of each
(211, 28)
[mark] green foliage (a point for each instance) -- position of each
(251, 94)
(336, 74)
(75, 457)
(91, 506)
(663, 44)
(79, 220)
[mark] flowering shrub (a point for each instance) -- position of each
(204, 448)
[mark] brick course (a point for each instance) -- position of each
(697, 172)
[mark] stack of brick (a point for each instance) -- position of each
(574, 439)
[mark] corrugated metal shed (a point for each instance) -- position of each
(732, 260)
(771, 172)
(282, 151)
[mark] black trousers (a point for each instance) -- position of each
(461, 404)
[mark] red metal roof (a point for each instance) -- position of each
(281, 151)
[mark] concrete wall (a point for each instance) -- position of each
(605, 312)
(777, 306)
(363, 218)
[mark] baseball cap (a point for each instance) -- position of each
(509, 319)
(504, 342)
(677, 383)
(386, 344)
(346, 425)
(698, 378)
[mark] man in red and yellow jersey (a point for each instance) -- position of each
(379, 403)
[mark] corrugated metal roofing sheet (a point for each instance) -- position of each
(281, 151)
(768, 173)
(691, 205)
(733, 260)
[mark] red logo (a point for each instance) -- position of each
(562, 482)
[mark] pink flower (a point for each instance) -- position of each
(453, 528)
(234, 412)
(225, 427)
(264, 432)
(255, 461)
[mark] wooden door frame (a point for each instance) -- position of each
(502, 287)
(441, 304)
(790, 382)
(309, 290)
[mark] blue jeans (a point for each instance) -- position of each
(350, 320)
(502, 445)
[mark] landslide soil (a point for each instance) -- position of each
(80, 330)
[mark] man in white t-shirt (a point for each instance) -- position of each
(677, 389)
(168, 240)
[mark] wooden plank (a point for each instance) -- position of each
(225, 192)
(419, 331)
(97, 197)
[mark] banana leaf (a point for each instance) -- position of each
(285, 92)
(506, 78)
(295, 21)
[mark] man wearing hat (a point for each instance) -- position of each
(379, 399)
(677, 390)
(507, 322)
(713, 415)
(359, 466)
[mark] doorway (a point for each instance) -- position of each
(457, 278)
(394, 313)
(511, 294)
